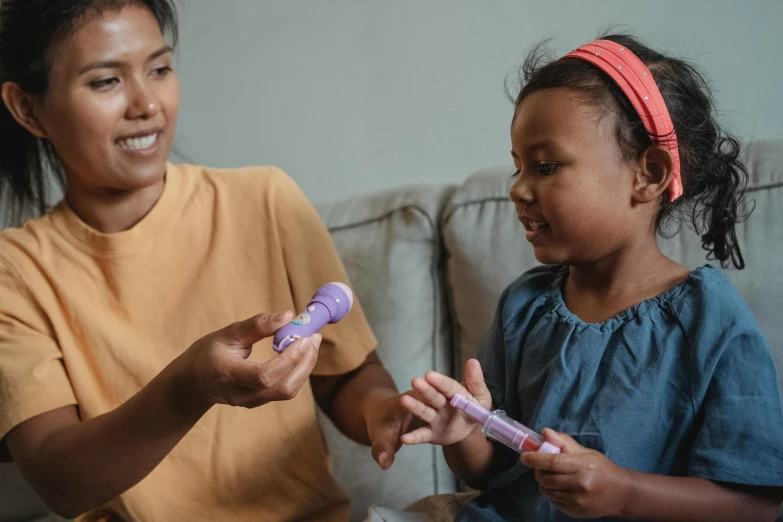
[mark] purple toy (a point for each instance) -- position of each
(330, 303)
(499, 426)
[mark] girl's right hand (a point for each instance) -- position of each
(216, 370)
(446, 425)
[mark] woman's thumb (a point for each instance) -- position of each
(255, 328)
(383, 453)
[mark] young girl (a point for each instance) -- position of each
(103, 405)
(657, 379)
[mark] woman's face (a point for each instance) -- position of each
(111, 105)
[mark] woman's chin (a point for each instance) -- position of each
(141, 177)
(141, 168)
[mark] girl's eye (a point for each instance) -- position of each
(544, 168)
(103, 84)
(547, 168)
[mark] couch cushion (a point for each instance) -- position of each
(486, 248)
(390, 246)
(17, 499)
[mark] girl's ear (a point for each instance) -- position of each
(656, 168)
(21, 105)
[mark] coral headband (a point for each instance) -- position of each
(636, 81)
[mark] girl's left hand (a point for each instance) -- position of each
(581, 482)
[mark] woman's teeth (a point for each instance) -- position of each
(138, 143)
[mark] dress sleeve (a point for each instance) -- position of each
(740, 436)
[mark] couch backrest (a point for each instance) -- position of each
(486, 248)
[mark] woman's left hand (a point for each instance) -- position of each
(581, 482)
(386, 421)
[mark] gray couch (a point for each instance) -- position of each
(429, 263)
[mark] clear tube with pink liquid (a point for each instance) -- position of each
(502, 428)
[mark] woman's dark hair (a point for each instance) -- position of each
(30, 30)
(714, 177)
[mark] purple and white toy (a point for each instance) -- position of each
(330, 303)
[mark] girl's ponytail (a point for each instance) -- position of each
(719, 206)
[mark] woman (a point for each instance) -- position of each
(103, 408)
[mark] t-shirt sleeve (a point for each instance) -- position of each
(740, 439)
(33, 378)
(311, 261)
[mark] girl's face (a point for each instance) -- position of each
(112, 102)
(573, 187)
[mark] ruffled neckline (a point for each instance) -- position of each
(558, 306)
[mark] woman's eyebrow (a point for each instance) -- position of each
(109, 64)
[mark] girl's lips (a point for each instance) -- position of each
(534, 229)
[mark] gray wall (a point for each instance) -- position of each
(350, 96)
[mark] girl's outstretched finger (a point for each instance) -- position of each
(445, 385)
(433, 397)
(418, 436)
(419, 409)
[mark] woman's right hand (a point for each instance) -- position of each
(216, 370)
(446, 425)
(63, 455)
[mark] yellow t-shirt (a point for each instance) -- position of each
(88, 319)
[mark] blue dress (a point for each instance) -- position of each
(682, 384)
